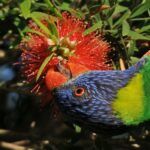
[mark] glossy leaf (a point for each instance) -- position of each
(45, 62)
(132, 47)
(93, 28)
(41, 15)
(53, 9)
(137, 36)
(77, 128)
(51, 19)
(25, 6)
(141, 8)
(122, 18)
(40, 24)
(53, 29)
(27, 29)
(119, 9)
(144, 29)
(125, 28)
(66, 7)
(43, 27)
(133, 60)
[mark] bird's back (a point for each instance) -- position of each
(132, 103)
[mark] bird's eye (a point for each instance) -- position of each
(79, 91)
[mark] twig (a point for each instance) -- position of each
(122, 65)
(21, 142)
(3, 132)
(11, 146)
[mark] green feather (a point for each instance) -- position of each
(132, 104)
(145, 71)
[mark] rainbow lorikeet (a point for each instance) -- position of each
(107, 100)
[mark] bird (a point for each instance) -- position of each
(107, 101)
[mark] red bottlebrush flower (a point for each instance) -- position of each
(92, 52)
(76, 52)
(35, 50)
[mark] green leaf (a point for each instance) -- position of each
(141, 8)
(137, 36)
(134, 60)
(66, 7)
(48, 2)
(45, 62)
(145, 28)
(43, 27)
(125, 28)
(132, 47)
(96, 18)
(25, 6)
(110, 22)
(93, 28)
(119, 9)
(40, 24)
(122, 18)
(106, 2)
(53, 29)
(27, 29)
(110, 12)
(53, 8)
(39, 5)
(51, 19)
(77, 128)
(141, 19)
(113, 31)
(40, 15)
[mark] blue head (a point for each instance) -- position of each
(88, 97)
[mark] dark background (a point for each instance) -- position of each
(23, 123)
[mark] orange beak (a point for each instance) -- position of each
(55, 78)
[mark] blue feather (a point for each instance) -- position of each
(101, 88)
